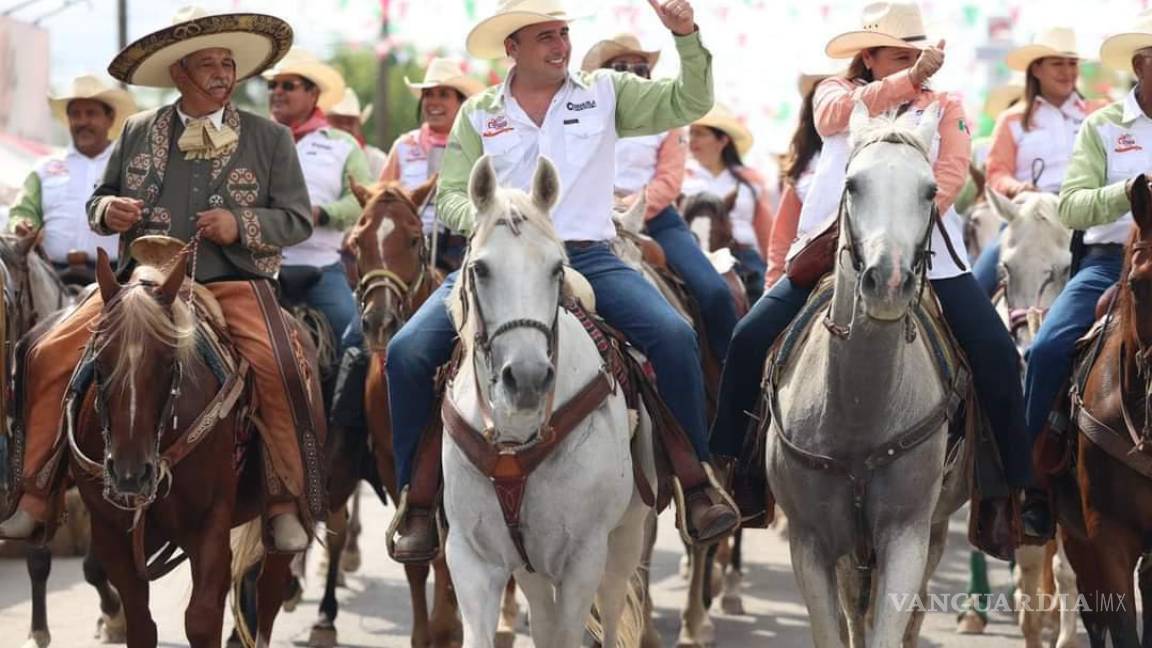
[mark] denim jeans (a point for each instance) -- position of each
(332, 296)
(987, 267)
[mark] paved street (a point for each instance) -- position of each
(375, 604)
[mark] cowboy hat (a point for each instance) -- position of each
(884, 24)
(1000, 97)
(722, 119)
(1116, 51)
(1054, 41)
(618, 45)
(486, 40)
(255, 40)
(303, 63)
(814, 69)
(446, 72)
(349, 106)
(88, 86)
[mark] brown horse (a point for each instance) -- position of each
(166, 476)
(1106, 511)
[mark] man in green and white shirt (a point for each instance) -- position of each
(575, 120)
(1113, 149)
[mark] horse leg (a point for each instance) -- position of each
(295, 591)
(1088, 576)
(323, 633)
(937, 541)
(113, 549)
(1066, 595)
(271, 588)
(417, 579)
(816, 578)
(1027, 575)
(626, 545)
(541, 606)
(731, 601)
(575, 593)
(480, 586)
(853, 587)
(39, 563)
(350, 561)
(696, 627)
(1144, 579)
(901, 560)
(509, 613)
(110, 627)
(975, 616)
(444, 624)
(1118, 548)
(211, 563)
(651, 638)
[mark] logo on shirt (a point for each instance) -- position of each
(583, 105)
(1126, 143)
(496, 125)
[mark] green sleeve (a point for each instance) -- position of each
(345, 211)
(645, 107)
(28, 206)
(453, 207)
(966, 197)
(1086, 199)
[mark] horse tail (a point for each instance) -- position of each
(247, 548)
(633, 617)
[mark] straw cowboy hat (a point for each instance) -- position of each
(884, 24)
(1116, 51)
(91, 87)
(814, 69)
(722, 119)
(486, 40)
(446, 72)
(1000, 98)
(349, 106)
(303, 63)
(618, 45)
(255, 40)
(1054, 41)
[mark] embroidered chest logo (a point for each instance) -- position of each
(1126, 143)
(243, 187)
(583, 105)
(56, 168)
(495, 126)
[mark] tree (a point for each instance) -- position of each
(358, 64)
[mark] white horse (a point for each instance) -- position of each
(581, 518)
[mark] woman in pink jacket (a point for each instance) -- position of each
(892, 61)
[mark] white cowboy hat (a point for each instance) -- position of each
(884, 24)
(255, 40)
(618, 45)
(446, 72)
(349, 106)
(486, 40)
(303, 63)
(722, 119)
(88, 86)
(1116, 51)
(1054, 41)
(1000, 97)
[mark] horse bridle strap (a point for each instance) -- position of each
(509, 468)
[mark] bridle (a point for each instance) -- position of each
(399, 294)
(1029, 317)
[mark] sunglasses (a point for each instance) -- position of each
(639, 69)
(288, 86)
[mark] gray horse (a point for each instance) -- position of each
(858, 383)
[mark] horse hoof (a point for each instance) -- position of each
(505, 638)
(38, 639)
(970, 623)
(322, 637)
(350, 561)
(112, 629)
(732, 604)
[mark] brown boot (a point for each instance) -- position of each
(415, 538)
(709, 512)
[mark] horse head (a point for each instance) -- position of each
(708, 217)
(1138, 268)
(1034, 257)
(32, 287)
(142, 343)
(506, 305)
(887, 210)
(391, 257)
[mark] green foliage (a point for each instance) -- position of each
(359, 66)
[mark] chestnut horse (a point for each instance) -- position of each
(165, 475)
(1106, 514)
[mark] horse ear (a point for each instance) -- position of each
(482, 184)
(730, 200)
(545, 185)
(168, 290)
(420, 194)
(632, 219)
(978, 178)
(105, 277)
(859, 120)
(360, 191)
(25, 244)
(1140, 197)
(1001, 205)
(929, 124)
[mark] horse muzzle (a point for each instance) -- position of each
(887, 290)
(132, 478)
(525, 384)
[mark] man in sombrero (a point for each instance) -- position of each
(575, 119)
(199, 166)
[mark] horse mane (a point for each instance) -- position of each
(887, 128)
(137, 315)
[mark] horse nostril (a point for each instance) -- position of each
(869, 283)
(909, 284)
(508, 378)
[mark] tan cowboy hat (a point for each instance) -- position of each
(1000, 98)
(1054, 41)
(884, 24)
(303, 63)
(1116, 51)
(618, 45)
(255, 40)
(815, 69)
(349, 106)
(91, 87)
(722, 119)
(486, 40)
(446, 72)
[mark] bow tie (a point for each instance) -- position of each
(202, 140)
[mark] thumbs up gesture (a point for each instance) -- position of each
(677, 15)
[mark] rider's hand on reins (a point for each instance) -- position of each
(930, 61)
(677, 15)
(218, 226)
(122, 213)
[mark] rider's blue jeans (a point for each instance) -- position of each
(623, 298)
(975, 324)
(332, 296)
(706, 285)
(986, 269)
(753, 269)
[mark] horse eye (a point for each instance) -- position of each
(850, 185)
(414, 242)
(931, 193)
(480, 269)
(558, 270)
